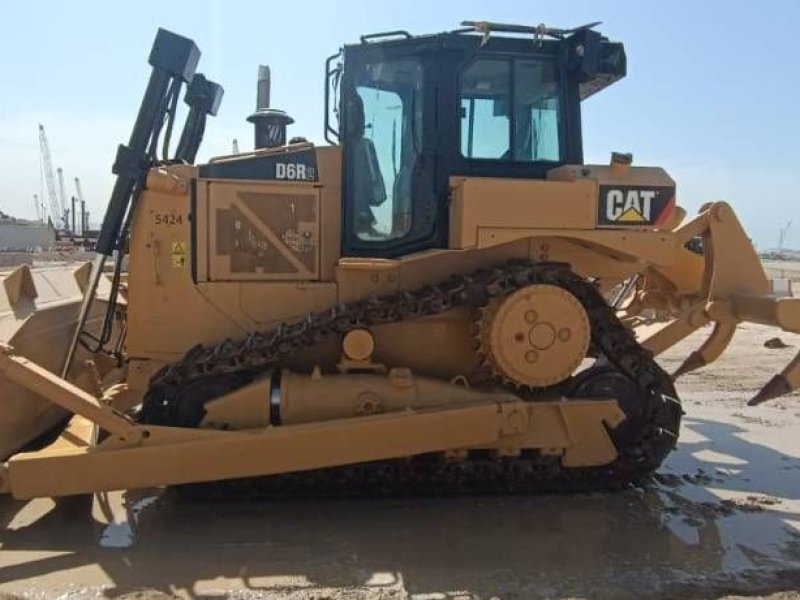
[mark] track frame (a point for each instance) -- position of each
(135, 456)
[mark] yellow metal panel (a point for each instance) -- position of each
(361, 277)
(169, 313)
(263, 231)
(268, 303)
(329, 163)
(167, 456)
(173, 456)
(200, 215)
(483, 202)
(658, 248)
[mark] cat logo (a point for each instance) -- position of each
(625, 205)
(632, 206)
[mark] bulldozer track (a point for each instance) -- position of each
(640, 452)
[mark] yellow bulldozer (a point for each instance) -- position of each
(442, 299)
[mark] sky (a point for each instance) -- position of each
(712, 93)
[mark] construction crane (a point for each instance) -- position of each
(62, 199)
(56, 211)
(38, 208)
(782, 235)
(79, 196)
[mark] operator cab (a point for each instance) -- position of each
(413, 112)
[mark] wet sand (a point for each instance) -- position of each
(722, 518)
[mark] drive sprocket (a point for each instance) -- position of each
(535, 337)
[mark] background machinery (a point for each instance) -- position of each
(57, 206)
(443, 299)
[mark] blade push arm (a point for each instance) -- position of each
(174, 59)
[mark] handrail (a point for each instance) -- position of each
(331, 134)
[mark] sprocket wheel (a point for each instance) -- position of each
(534, 337)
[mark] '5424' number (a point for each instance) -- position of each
(168, 219)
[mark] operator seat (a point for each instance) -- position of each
(368, 187)
(402, 191)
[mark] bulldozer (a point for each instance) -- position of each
(444, 298)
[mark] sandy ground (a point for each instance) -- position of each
(784, 269)
(723, 518)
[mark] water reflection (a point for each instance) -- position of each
(681, 530)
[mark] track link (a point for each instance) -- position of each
(641, 451)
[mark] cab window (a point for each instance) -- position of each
(384, 143)
(510, 110)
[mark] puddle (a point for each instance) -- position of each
(723, 511)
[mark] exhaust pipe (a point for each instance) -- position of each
(263, 87)
(270, 123)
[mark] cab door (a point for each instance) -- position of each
(391, 203)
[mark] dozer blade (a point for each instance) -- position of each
(728, 287)
(38, 308)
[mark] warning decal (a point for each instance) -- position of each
(178, 254)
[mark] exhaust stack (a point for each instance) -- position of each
(263, 87)
(270, 123)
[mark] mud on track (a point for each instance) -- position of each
(722, 517)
